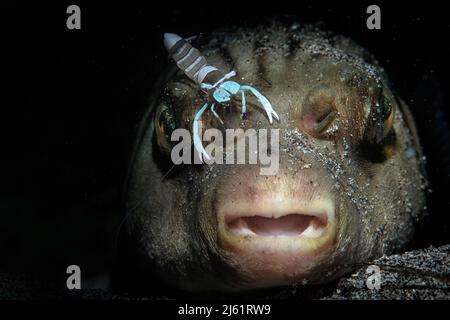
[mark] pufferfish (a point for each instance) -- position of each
(350, 185)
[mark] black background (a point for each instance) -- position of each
(71, 101)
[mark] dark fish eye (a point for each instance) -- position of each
(164, 126)
(379, 141)
(381, 119)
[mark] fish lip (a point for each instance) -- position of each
(296, 224)
(266, 261)
(320, 211)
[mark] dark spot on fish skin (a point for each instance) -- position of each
(292, 49)
(293, 45)
(260, 59)
(377, 152)
(228, 58)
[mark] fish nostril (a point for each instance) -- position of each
(318, 111)
(316, 120)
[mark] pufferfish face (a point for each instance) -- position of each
(348, 187)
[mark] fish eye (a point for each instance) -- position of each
(381, 120)
(164, 125)
(379, 141)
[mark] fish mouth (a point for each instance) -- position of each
(269, 225)
(277, 240)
